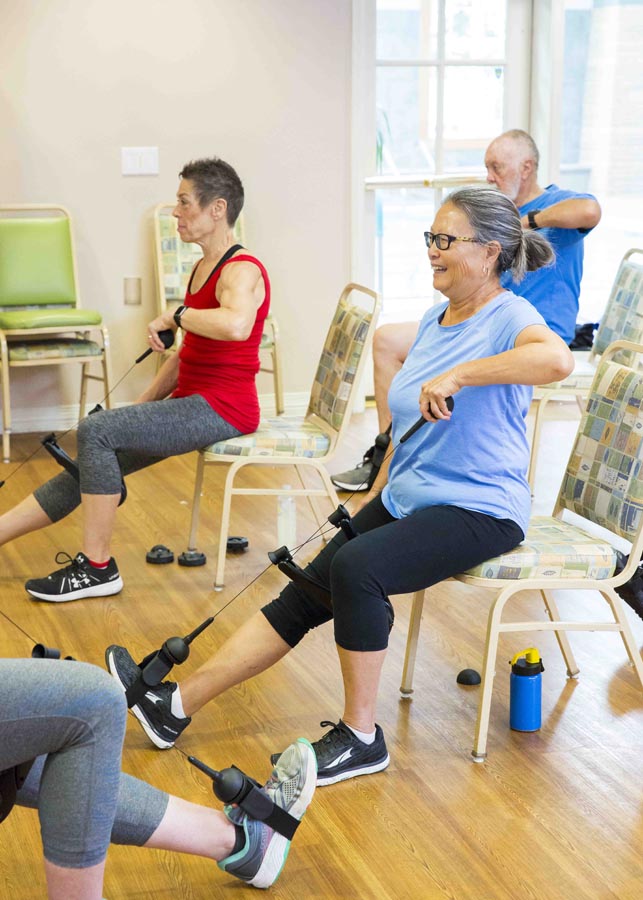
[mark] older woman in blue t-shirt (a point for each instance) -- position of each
(455, 493)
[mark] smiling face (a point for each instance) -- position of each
(458, 271)
(194, 222)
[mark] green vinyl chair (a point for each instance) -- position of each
(42, 322)
(174, 260)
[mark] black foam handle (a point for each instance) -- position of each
(422, 421)
(167, 339)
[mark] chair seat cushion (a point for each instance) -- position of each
(52, 349)
(281, 436)
(52, 317)
(552, 549)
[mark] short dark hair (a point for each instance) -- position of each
(214, 178)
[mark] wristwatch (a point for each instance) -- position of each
(531, 218)
(178, 313)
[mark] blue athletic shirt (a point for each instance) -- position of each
(554, 290)
(478, 459)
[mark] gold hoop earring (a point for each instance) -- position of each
(485, 270)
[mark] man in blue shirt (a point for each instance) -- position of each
(564, 217)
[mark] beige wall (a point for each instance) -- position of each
(265, 84)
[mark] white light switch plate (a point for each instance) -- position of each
(140, 160)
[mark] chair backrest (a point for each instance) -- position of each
(623, 316)
(343, 356)
(37, 265)
(603, 481)
(174, 259)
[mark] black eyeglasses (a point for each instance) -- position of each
(444, 241)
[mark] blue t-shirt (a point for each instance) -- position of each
(478, 459)
(554, 290)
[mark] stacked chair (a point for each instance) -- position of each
(42, 322)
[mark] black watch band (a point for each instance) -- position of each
(177, 315)
(531, 218)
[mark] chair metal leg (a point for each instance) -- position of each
(107, 369)
(631, 648)
(561, 636)
(225, 525)
(196, 502)
(406, 687)
(83, 390)
(320, 520)
(276, 377)
(479, 752)
(6, 401)
(541, 405)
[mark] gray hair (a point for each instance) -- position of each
(494, 217)
(517, 134)
(214, 178)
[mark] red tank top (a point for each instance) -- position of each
(223, 372)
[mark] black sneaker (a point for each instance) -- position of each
(76, 580)
(154, 709)
(358, 479)
(341, 755)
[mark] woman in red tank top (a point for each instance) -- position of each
(203, 394)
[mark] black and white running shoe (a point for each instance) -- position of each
(341, 755)
(76, 580)
(154, 709)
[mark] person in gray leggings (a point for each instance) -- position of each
(70, 717)
(203, 394)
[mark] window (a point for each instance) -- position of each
(441, 94)
(601, 136)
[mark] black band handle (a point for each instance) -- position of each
(167, 339)
(422, 421)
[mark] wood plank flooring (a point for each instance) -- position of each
(556, 814)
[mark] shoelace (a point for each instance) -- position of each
(334, 736)
(71, 562)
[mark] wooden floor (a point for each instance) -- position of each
(556, 814)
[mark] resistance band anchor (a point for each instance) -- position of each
(282, 558)
(160, 663)
(70, 465)
(234, 786)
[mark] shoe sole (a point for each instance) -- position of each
(152, 735)
(279, 846)
(99, 590)
(344, 486)
(325, 780)
(366, 770)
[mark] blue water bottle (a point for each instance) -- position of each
(525, 692)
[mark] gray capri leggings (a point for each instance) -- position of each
(116, 442)
(70, 716)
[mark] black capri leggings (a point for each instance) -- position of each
(389, 556)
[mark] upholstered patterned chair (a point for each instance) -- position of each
(622, 319)
(308, 441)
(42, 322)
(603, 485)
(174, 261)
